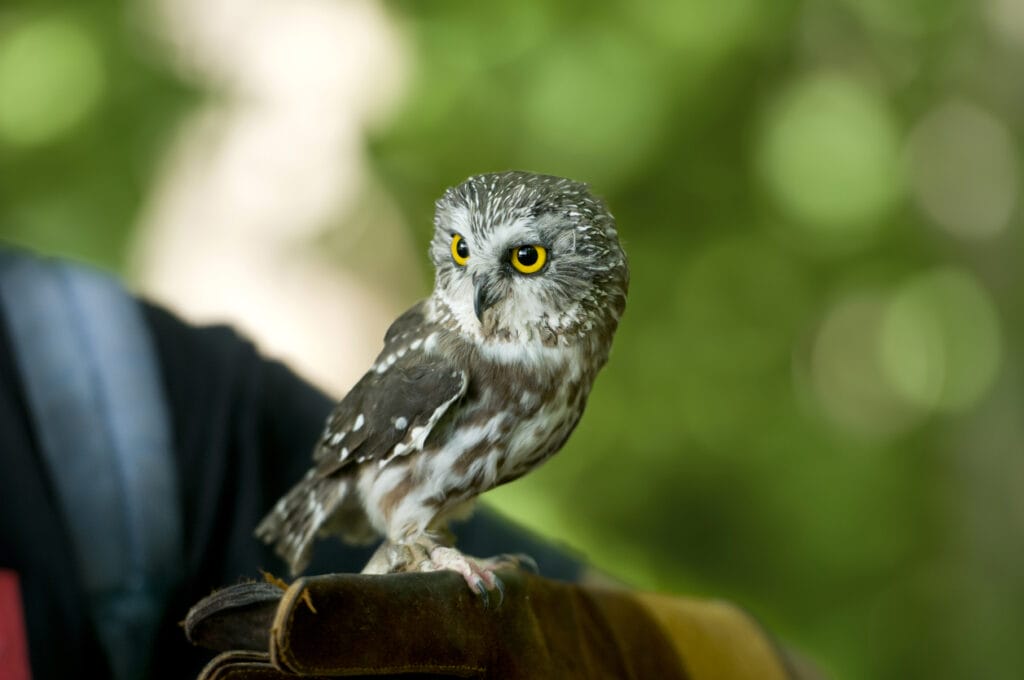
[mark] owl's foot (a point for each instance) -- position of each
(426, 555)
(480, 577)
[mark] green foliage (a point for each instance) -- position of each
(85, 112)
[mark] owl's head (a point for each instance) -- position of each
(526, 258)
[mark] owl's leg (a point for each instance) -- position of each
(418, 540)
(395, 557)
(381, 560)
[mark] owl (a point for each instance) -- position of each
(476, 385)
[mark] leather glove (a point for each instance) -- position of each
(431, 626)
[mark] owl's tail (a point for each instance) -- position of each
(293, 524)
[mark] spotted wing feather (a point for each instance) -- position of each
(396, 404)
(390, 411)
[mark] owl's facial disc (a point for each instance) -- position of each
(525, 259)
(515, 279)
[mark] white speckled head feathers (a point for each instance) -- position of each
(581, 289)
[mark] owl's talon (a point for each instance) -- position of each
(481, 590)
(500, 587)
(484, 591)
(523, 562)
(480, 578)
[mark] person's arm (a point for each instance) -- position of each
(243, 428)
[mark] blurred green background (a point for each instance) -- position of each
(814, 404)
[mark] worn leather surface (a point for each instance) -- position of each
(432, 626)
(236, 618)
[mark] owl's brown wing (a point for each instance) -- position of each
(391, 411)
(395, 406)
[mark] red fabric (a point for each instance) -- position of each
(13, 642)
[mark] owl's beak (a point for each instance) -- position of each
(485, 297)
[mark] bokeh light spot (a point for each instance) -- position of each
(51, 78)
(829, 155)
(963, 171)
(1006, 19)
(940, 341)
(846, 370)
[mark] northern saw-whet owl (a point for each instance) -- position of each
(476, 385)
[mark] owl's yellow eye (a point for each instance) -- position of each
(460, 250)
(529, 259)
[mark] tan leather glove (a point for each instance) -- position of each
(432, 626)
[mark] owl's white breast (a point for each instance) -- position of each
(531, 353)
(526, 348)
